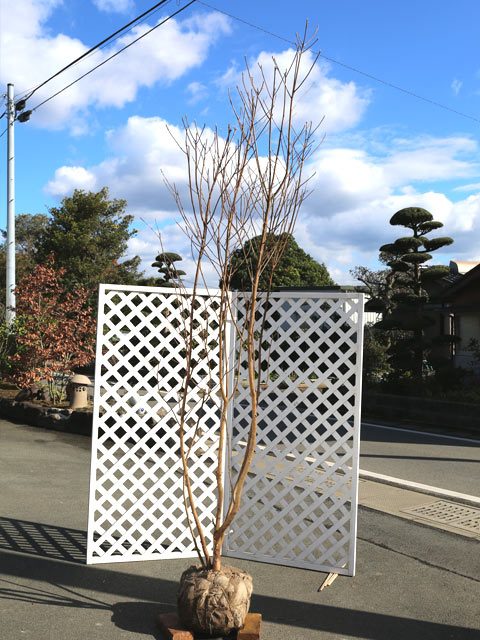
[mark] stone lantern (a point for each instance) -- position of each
(78, 385)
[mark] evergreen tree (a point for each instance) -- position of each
(88, 235)
(405, 258)
(170, 275)
(296, 268)
(28, 229)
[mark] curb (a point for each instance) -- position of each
(435, 492)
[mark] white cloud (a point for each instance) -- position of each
(69, 178)
(197, 91)
(24, 18)
(343, 179)
(464, 216)
(356, 193)
(430, 159)
(474, 186)
(146, 63)
(342, 104)
(118, 6)
(456, 86)
(345, 219)
(149, 242)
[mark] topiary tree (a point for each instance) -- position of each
(295, 268)
(406, 258)
(165, 265)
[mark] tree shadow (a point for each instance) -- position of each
(149, 596)
(137, 617)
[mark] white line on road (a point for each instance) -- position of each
(422, 433)
(422, 488)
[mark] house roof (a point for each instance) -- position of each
(462, 266)
(466, 280)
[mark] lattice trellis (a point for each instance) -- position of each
(136, 490)
(300, 500)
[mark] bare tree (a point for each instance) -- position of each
(248, 182)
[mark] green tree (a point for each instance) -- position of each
(376, 365)
(88, 235)
(296, 268)
(28, 230)
(170, 275)
(410, 278)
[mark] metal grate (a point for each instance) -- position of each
(451, 513)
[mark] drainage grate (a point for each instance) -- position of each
(455, 515)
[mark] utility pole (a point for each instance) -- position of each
(10, 283)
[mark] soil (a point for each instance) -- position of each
(8, 391)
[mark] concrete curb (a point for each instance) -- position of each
(436, 492)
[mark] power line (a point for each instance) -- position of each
(99, 45)
(114, 54)
(110, 40)
(342, 64)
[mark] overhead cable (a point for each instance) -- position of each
(342, 64)
(97, 46)
(114, 55)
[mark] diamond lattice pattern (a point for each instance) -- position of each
(299, 503)
(300, 498)
(136, 492)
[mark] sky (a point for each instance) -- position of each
(381, 149)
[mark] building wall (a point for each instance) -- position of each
(468, 327)
(370, 317)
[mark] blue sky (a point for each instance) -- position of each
(383, 149)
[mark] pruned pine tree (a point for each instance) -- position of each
(165, 263)
(406, 258)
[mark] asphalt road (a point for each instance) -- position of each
(412, 581)
(436, 460)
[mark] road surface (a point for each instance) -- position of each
(432, 459)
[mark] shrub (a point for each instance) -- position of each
(376, 366)
(57, 331)
(8, 344)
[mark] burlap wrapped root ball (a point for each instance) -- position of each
(214, 602)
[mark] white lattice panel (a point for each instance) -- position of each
(136, 506)
(300, 499)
